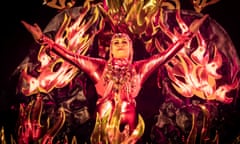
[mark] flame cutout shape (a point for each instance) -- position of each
(59, 4)
(54, 72)
(30, 127)
(199, 5)
(195, 75)
(50, 134)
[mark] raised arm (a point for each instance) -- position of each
(92, 66)
(147, 66)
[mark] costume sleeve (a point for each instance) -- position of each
(90, 65)
(147, 66)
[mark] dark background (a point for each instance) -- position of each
(16, 41)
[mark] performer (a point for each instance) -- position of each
(118, 80)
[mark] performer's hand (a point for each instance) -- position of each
(34, 29)
(194, 27)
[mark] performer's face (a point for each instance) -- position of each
(120, 46)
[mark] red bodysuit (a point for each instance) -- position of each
(118, 80)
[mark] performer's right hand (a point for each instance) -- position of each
(34, 29)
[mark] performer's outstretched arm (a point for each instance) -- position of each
(147, 66)
(92, 66)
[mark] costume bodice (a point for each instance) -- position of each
(119, 77)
